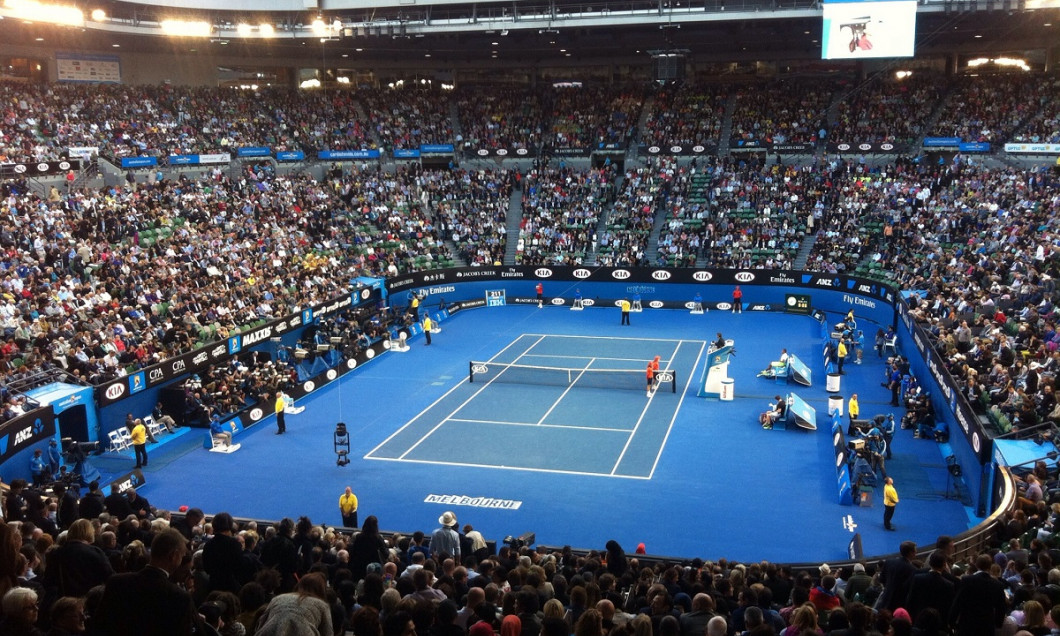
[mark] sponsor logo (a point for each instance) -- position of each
(23, 435)
(962, 420)
(234, 344)
(758, 308)
(255, 414)
(887, 146)
(309, 386)
(581, 273)
(558, 301)
(702, 276)
(665, 376)
(940, 379)
(351, 363)
(482, 152)
(513, 273)
(744, 277)
(502, 152)
(472, 274)
(115, 391)
(843, 147)
(698, 148)
(661, 274)
(406, 281)
(331, 374)
(676, 149)
(977, 444)
(257, 336)
(724, 306)
(155, 375)
(474, 502)
(654, 150)
(136, 382)
(864, 146)
(542, 272)
(129, 482)
(369, 354)
(42, 167)
(479, 368)
(441, 290)
(218, 351)
(178, 366)
(588, 302)
(867, 289)
(690, 305)
(782, 279)
(386, 344)
(433, 277)
(522, 152)
(656, 304)
(859, 301)
(64, 165)
(294, 322)
(365, 293)
(620, 274)
(200, 358)
(827, 282)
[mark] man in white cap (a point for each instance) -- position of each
(445, 542)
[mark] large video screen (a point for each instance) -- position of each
(867, 28)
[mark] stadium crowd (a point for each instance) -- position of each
(96, 282)
(783, 112)
(688, 115)
(561, 209)
(87, 563)
(886, 110)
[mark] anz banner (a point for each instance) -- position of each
(170, 369)
(25, 431)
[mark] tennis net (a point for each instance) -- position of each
(559, 376)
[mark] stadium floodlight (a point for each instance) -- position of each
(186, 28)
(99, 15)
(319, 27)
(267, 30)
(243, 29)
(52, 14)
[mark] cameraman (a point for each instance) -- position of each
(876, 448)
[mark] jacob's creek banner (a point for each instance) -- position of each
(25, 431)
(173, 368)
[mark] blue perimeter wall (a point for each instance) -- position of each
(763, 290)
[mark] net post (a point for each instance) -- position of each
(470, 371)
(673, 382)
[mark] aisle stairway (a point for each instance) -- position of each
(514, 219)
(805, 248)
(726, 126)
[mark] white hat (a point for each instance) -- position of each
(825, 570)
(447, 519)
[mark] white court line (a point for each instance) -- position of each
(554, 355)
(564, 394)
(563, 426)
(557, 335)
(433, 404)
(633, 433)
(684, 392)
(579, 473)
(456, 410)
(644, 412)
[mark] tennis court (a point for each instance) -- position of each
(553, 397)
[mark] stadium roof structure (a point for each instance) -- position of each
(446, 34)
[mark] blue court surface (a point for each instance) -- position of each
(582, 462)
